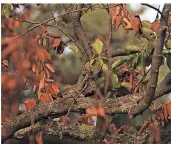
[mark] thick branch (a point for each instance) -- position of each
(60, 106)
(156, 62)
(79, 31)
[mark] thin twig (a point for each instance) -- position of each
(148, 5)
(144, 76)
(44, 22)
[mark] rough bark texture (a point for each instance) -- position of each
(61, 105)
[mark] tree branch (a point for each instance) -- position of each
(148, 5)
(60, 106)
(156, 62)
(79, 31)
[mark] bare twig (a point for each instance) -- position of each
(153, 8)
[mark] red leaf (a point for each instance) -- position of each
(39, 138)
(45, 98)
(155, 26)
(29, 104)
(56, 42)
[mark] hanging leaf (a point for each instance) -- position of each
(74, 48)
(58, 46)
(97, 65)
(128, 24)
(50, 67)
(7, 10)
(155, 25)
(29, 104)
(118, 21)
(45, 98)
(39, 139)
(136, 23)
(97, 46)
(55, 90)
(114, 83)
(56, 42)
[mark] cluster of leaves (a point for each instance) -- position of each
(27, 66)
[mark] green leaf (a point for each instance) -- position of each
(74, 48)
(97, 46)
(149, 48)
(146, 24)
(132, 61)
(100, 81)
(132, 48)
(127, 85)
(104, 67)
(97, 65)
(168, 44)
(114, 83)
(7, 10)
(141, 63)
(165, 51)
(118, 63)
(148, 33)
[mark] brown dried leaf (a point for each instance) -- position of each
(155, 25)
(136, 23)
(49, 67)
(29, 104)
(128, 24)
(45, 98)
(56, 42)
(118, 22)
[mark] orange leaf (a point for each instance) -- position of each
(136, 23)
(96, 111)
(29, 104)
(101, 111)
(37, 37)
(155, 25)
(128, 24)
(169, 107)
(39, 138)
(155, 132)
(45, 98)
(44, 28)
(145, 124)
(55, 90)
(42, 82)
(92, 112)
(49, 67)
(56, 42)
(118, 22)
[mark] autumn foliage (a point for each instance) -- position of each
(28, 68)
